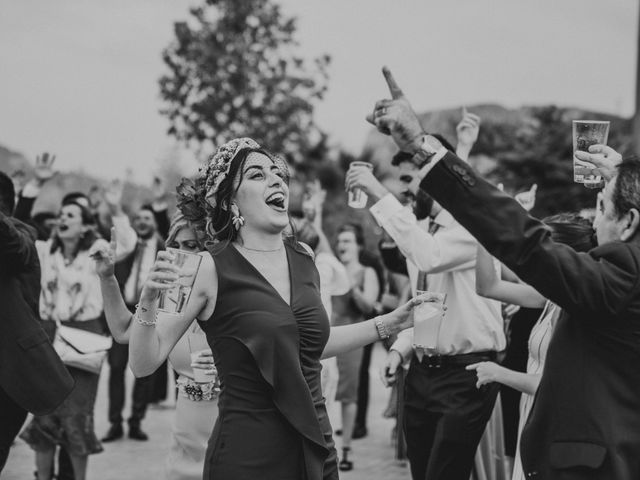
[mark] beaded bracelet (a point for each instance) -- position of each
(146, 323)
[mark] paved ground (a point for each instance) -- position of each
(373, 455)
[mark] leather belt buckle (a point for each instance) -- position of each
(432, 361)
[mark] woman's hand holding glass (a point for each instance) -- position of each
(204, 361)
(402, 317)
(164, 275)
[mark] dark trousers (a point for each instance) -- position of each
(444, 418)
(118, 357)
(12, 417)
(363, 387)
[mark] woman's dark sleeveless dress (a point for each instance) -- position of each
(273, 424)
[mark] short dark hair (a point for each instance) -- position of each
(626, 190)
(77, 198)
(357, 230)
(148, 207)
(7, 194)
(401, 156)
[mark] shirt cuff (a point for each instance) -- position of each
(404, 344)
(385, 208)
(424, 171)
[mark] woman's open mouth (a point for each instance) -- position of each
(277, 201)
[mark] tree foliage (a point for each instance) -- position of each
(234, 71)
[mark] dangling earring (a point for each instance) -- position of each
(236, 218)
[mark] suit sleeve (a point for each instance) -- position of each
(24, 208)
(17, 250)
(393, 259)
(603, 280)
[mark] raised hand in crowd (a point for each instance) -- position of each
(44, 168)
(396, 117)
(159, 193)
(113, 196)
(43, 172)
(313, 202)
(467, 131)
(527, 199)
(605, 159)
(363, 177)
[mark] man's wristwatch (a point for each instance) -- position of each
(428, 148)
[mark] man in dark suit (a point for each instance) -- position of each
(131, 272)
(585, 422)
(32, 376)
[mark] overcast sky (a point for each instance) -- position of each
(79, 77)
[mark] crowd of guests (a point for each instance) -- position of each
(532, 370)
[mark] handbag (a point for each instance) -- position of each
(81, 349)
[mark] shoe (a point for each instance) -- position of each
(345, 464)
(359, 431)
(115, 433)
(136, 433)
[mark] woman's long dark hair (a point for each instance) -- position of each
(573, 230)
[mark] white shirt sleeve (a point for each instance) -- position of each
(126, 237)
(404, 344)
(452, 249)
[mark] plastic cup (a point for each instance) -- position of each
(585, 134)
(197, 345)
(427, 320)
(174, 300)
(356, 196)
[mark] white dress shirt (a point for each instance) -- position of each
(471, 323)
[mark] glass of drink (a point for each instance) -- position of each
(427, 319)
(175, 299)
(356, 197)
(198, 345)
(585, 134)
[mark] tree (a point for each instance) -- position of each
(233, 71)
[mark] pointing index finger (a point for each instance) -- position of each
(395, 90)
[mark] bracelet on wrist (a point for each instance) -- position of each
(381, 327)
(141, 321)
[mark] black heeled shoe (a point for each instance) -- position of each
(345, 464)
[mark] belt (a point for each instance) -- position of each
(462, 360)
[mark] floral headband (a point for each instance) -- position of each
(219, 165)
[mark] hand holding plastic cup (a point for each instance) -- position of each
(174, 300)
(357, 198)
(427, 320)
(585, 134)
